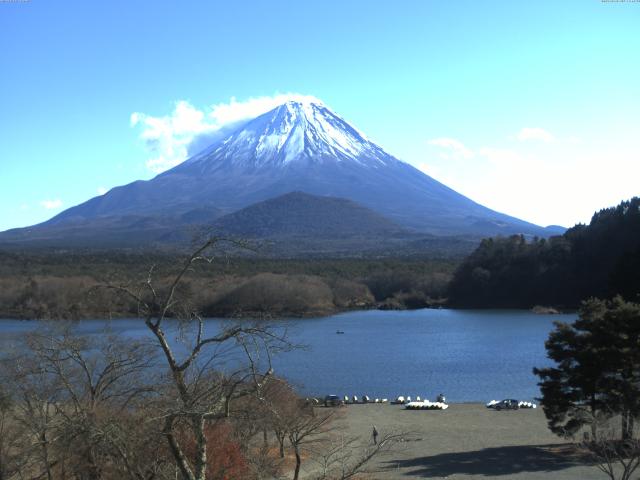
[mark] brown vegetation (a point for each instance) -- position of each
(266, 293)
(57, 285)
(190, 404)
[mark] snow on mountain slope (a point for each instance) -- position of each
(293, 132)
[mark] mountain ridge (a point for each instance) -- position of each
(295, 147)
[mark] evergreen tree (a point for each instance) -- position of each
(598, 368)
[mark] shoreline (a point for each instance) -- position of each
(283, 316)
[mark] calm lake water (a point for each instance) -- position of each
(469, 355)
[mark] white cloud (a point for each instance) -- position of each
(535, 133)
(455, 146)
(501, 157)
(564, 185)
(24, 206)
(51, 204)
(224, 113)
(102, 190)
(173, 138)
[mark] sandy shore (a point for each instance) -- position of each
(467, 441)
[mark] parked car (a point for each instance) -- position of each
(332, 401)
(507, 404)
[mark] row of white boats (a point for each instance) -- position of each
(420, 404)
(426, 405)
(511, 404)
(364, 399)
(408, 402)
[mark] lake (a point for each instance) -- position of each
(469, 355)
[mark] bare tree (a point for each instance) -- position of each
(34, 396)
(307, 427)
(77, 399)
(12, 439)
(612, 456)
(278, 405)
(615, 457)
(341, 457)
(201, 390)
(99, 379)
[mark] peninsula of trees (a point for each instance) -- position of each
(601, 259)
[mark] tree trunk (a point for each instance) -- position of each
(201, 448)
(296, 473)
(594, 420)
(93, 472)
(181, 460)
(45, 454)
(627, 425)
(264, 438)
(281, 438)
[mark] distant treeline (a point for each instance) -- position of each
(61, 284)
(596, 260)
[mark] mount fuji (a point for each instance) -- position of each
(296, 147)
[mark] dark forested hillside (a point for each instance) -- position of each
(600, 259)
(299, 214)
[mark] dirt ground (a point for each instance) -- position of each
(467, 441)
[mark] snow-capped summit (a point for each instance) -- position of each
(296, 131)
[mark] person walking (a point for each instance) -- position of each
(374, 434)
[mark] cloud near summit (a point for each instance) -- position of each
(172, 138)
(535, 133)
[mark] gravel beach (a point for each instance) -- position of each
(467, 441)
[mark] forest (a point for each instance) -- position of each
(59, 285)
(601, 259)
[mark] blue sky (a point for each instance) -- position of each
(530, 108)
